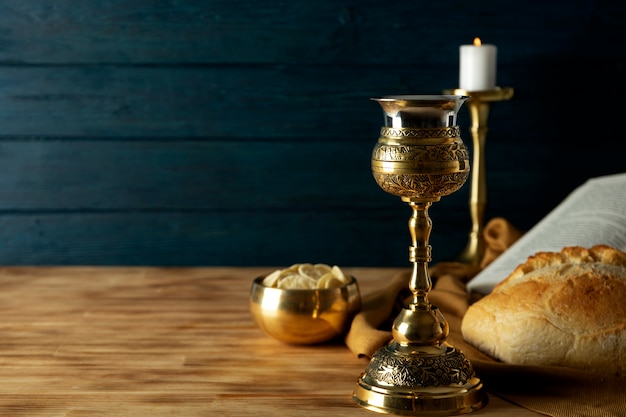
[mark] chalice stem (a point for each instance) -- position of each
(420, 253)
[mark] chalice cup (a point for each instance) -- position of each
(420, 157)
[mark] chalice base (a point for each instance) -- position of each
(412, 382)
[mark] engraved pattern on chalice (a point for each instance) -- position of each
(430, 166)
(403, 371)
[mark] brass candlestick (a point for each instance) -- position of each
(479, 106)
(420, 157)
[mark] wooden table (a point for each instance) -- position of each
(108, 341)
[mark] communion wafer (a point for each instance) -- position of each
(329, 281)
(306, 276)
(271, 280)
(336, 271)
(314, 271)
(296, 282)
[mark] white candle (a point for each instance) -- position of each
(477, 67)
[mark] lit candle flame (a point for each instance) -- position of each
(477, 42)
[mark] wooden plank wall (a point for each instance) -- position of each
(142, 132)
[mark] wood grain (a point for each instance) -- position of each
(112, 341)
(138, 133)
(327, 32)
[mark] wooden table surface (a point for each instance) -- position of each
(109, 341)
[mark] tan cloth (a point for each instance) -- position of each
(553, 391)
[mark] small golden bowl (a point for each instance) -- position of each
(304, 316)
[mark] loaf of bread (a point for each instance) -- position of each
(563, 308)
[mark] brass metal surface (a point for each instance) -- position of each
(479, 105)
(304, 316)
(425, 383)
(420, 157)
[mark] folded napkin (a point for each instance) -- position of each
(554, 391)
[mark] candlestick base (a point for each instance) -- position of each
(479, 105)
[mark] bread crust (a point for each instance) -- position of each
(563, 308)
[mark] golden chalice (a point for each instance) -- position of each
(420, 157)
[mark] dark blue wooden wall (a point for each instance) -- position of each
(146, 132)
